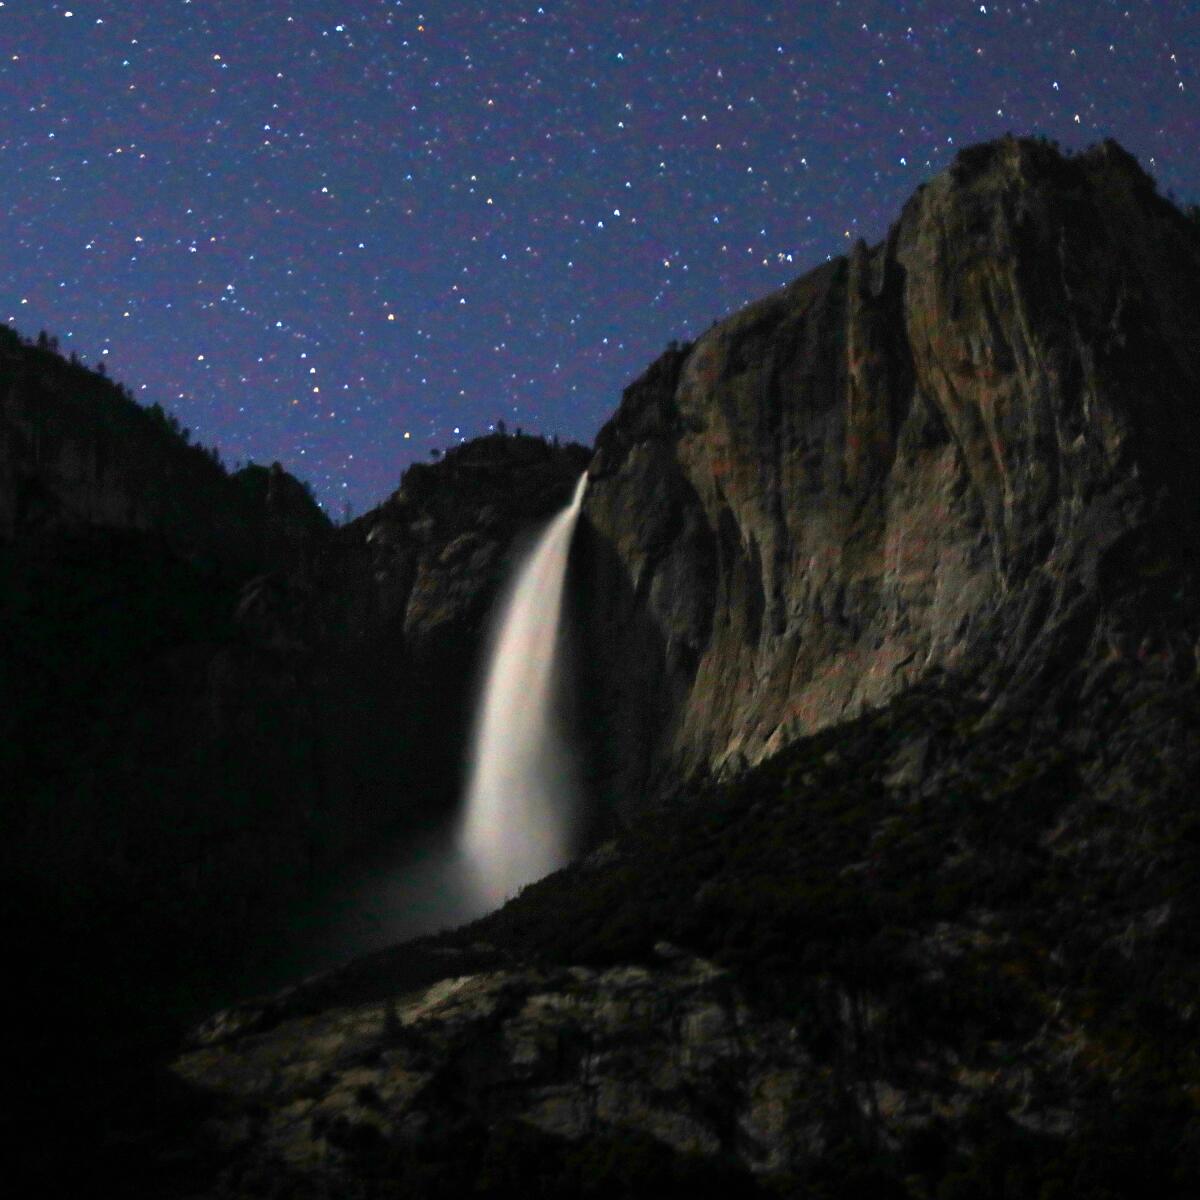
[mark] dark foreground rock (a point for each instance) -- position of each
(919, 954)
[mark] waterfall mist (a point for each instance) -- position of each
(522, 796)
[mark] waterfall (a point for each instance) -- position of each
(521, 797)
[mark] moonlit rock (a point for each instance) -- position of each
(522, 795)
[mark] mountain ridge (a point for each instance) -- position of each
(921, 453)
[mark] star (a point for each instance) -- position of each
(376, 165)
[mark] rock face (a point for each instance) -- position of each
(635, 1050)
(156, 735)
(943, 452)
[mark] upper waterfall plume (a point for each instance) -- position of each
(521, 797)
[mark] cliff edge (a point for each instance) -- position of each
(956, 450)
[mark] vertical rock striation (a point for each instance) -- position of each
(950, 451)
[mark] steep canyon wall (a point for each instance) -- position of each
(945, 452)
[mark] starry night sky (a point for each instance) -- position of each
(341, 235)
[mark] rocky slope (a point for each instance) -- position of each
(76, 453)
(155, 740)
(943, 452)
(920, 954)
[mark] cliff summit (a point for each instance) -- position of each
(952, 451)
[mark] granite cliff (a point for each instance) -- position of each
(947, 451)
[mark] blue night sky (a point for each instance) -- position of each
(340, 235)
